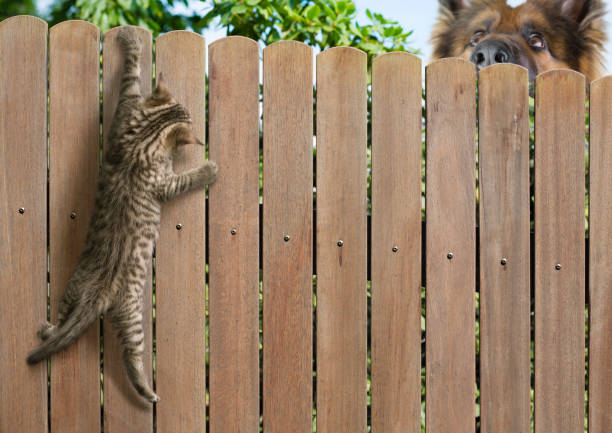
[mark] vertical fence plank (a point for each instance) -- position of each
(124, 410)
(341, 240)
(180, 264)
(23, 236)
(559, 240)
(450, 210)
(600, 236)
(234, 236)
(74, 149)
(504, 249)
(396, 243)
(287, 265)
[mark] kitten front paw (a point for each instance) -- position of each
(208, 172)
(45, 331)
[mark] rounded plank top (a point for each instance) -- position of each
(284, 51)
(550, 74)
(451, 62)
(397, 56)
(603, 84)
(233, 40)
(111, 34)
(549, 82)
(75, 25)
(503, 70)
(19, 21)
(182, 35)
(337, 54)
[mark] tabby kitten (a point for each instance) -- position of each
(135, 179)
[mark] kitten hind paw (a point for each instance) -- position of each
(45, 331)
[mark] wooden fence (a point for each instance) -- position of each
(264, 372)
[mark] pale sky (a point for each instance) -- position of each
(418, 15)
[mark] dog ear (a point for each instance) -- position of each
(455, 5)
(579, 10)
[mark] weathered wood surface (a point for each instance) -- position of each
(74, 149)
(234, 236)
(600, 278)
(396, 244)
(23, 236)
(180, 271)
(341, 240)
(124, 410)
(504, 249)
(559, 242)
(451, 247)
(287, 264)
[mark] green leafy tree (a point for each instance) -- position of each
(155, 15)
(9, 8)
(319, 23)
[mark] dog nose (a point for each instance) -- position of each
(490, 52)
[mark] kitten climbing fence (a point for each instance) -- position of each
(229, 354)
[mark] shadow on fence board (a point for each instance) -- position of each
(277, 351)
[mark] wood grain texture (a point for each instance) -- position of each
(559, 239)
(181, 257)
(287, 266)
(124, 410)
(234, 258)
(23, 255)
(600, 269)
(450, 212)
(504, 235)
(396, 222)
(341, 216)
(74, 149)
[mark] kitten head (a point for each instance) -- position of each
(171, 120)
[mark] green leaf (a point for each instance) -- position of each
(239, 9)
(312, 11)
(125, 4)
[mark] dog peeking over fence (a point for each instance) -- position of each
(538, 34)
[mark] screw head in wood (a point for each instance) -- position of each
(286, 238)
(504, 261)
(72, 215)
(395, 248)
(450, 255)
(234, 231)
(179, 226)
(558, 266)
(21, 210)
(340, 243)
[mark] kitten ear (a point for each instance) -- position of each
(182, 135)
(161, 95)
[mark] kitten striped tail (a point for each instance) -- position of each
(78, 321)
(132, 48)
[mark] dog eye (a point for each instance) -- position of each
(477, 37)
(536, 41)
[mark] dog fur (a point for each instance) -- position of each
(538, 34)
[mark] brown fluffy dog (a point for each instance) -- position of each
(538, 34)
